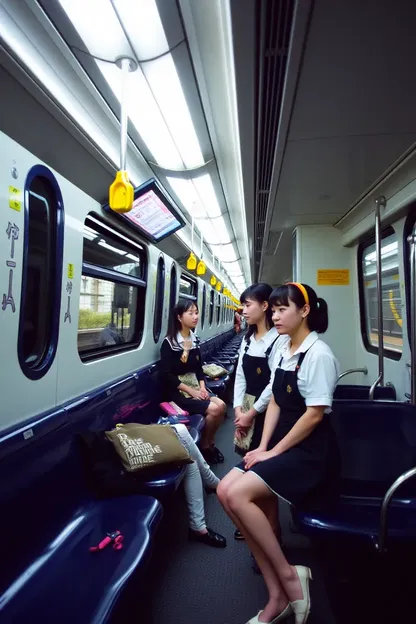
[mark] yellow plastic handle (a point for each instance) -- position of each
(201, 269)
(218, 286)
(121, 193)
(191, 262)
(213, 280)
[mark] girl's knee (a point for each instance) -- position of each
(214, 410)
(222, 490)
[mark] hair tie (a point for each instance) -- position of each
(302, 289)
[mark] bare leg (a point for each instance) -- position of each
(278, 599)
(214, 417)
(241, 500)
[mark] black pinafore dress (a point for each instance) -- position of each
(306, 475)
(257, 373)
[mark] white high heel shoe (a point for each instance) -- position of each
(284, 614)
(302, 608)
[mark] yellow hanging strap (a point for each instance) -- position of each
(121, 192)
(201, 269)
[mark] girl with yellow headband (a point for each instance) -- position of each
(297, 458)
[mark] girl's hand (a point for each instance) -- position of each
(244, 420)
(255, 457)
(196, 394)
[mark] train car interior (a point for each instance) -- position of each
(162, 150)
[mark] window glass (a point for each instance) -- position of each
(204, 305)
(159, 297)
(391, 296)
(103, 248)
(218, 306)
(42, 275)
(112, 295)
(211, 306)
(187, 287)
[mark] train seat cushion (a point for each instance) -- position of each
(350, 392)
(51, 588)
(48, 520)
(377, 440)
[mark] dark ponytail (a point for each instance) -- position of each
(317, 318)
(258, 292)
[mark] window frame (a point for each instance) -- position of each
(409, 226)
(218, 309)
(173, 286)
(211, 306)
(387, 353)
(98, 272)
(159, 298)
(56, 261)
(194, 294)
(203, 305)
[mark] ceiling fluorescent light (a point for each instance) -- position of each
(98, 26)
(156, 102)
(187, 195)
(206, 192)
(144, 114)
(221, 227)
(164, 82)
(142, 22)
(227, 253)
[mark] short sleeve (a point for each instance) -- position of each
(320, 376)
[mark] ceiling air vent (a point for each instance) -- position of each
(274, 25)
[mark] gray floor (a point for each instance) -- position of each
(191, 583)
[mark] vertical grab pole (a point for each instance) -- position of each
(412, 241)
(125, 69)
(380, 203)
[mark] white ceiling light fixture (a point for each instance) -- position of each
(156, 104)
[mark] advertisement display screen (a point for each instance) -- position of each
(153, 214)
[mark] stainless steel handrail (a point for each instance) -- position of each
(385, 507)
(373, 387)
(350, 371)
(412, 241)
(380, 203)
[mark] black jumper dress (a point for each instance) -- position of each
(257, 373)
(172, 367)
(306, 475)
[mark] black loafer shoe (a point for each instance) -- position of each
(238, 535)
(212, 455)
(219, 457)
(210, 538)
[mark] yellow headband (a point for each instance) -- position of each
(302, 290)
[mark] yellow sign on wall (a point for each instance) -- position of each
(70, 271)
(333, 277)
(15, 198)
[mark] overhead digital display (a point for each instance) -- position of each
(153, 214)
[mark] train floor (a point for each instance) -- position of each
(190, 583)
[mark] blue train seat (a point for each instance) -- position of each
(132, 399)
(349, 392)
(48, 523)
(377, 440)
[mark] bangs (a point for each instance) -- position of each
(280, 296)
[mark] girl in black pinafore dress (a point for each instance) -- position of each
(180, 355)
(297, 458)
(253, 373)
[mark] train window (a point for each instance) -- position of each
(112, 297)
(160, 290)
(391, 296)
(173, 287)
(211, 306)
(187, 287)
(218, 306)
(103, 248)
(204, 305)
(41, 274)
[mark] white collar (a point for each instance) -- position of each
(180, 339)
(306, 344)
(272, 333)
